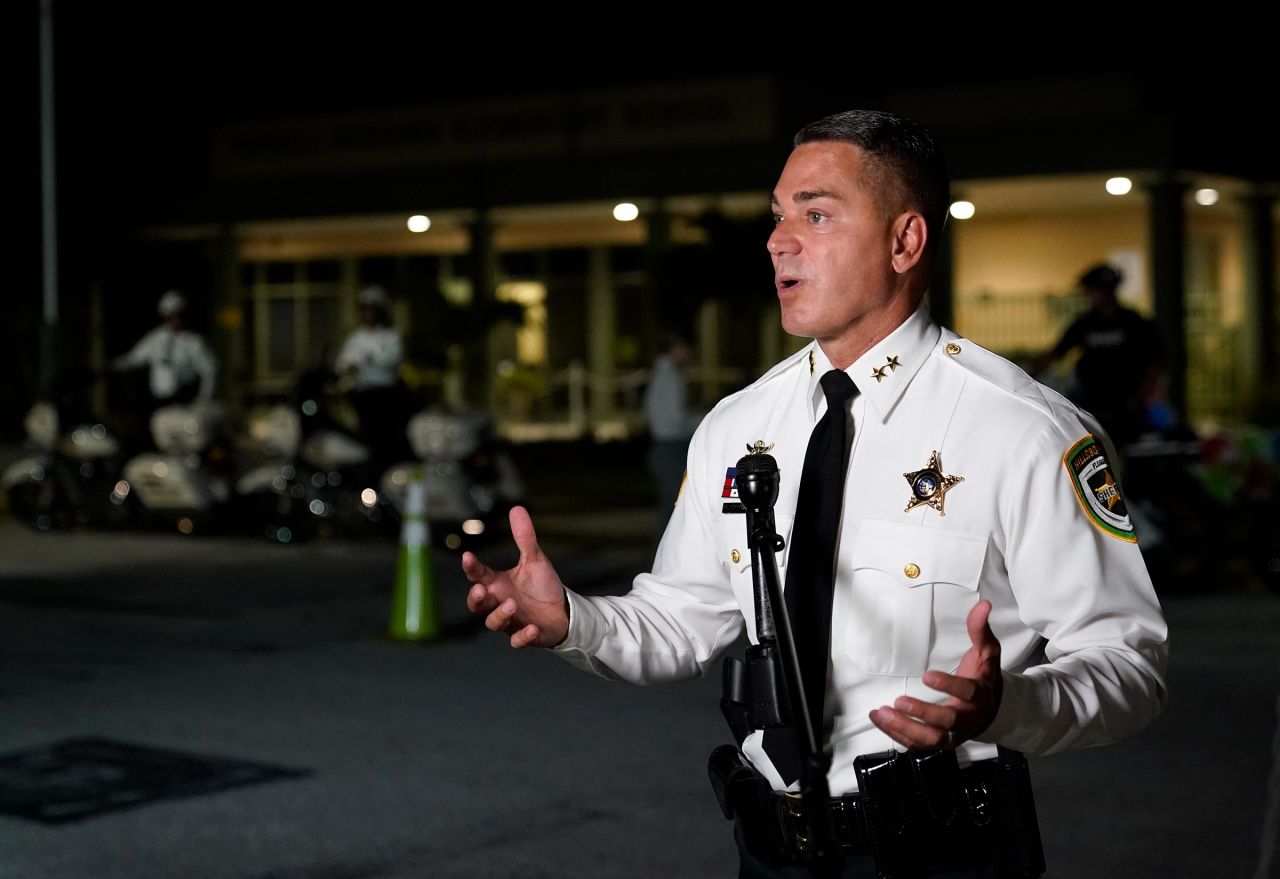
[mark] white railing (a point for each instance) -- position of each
(577, 403)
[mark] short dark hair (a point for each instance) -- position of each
(907, 162)
(1101, 277)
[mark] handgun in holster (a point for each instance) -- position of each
(744, 797)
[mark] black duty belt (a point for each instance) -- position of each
(914, 813)
(848, 824)
(775, 826)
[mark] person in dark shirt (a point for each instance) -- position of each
(1120, 367)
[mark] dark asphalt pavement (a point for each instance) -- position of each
(467, 759)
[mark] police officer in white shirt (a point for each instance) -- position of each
(181, 367)
(372, 352)
(988, 590)
(371, 357)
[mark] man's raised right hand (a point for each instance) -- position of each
(528, 602)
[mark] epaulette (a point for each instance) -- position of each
(997, 372)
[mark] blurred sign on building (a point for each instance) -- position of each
(587, 122)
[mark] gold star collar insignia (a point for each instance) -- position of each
(879, 373)
(930, 485)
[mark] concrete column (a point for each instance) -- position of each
(602, 329)
(228, 321)
(1167, 219)
(482, 363)
(348, 290)
(657, 249)
(709, 351)
(657, 244)
(1262, 390)
(97, 350)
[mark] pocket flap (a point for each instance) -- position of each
(912, 554)
(731, 543)
(731, 538)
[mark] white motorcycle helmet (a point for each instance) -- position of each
(374, 296)
(171, 303)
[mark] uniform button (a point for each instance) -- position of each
(912, 570)
(953, 348)
(735, 556)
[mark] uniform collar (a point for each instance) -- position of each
(884, 371)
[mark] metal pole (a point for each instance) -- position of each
(48, 192)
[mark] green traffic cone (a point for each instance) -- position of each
(413, 611)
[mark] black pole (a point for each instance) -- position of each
(49, 204)
(757, 479)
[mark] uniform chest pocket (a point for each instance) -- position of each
(735, 554)
(911, 589)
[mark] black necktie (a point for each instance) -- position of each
(811, 565)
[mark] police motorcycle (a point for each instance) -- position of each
(72, 475)
(323, 480)
(319, 478)
(186, 481)
(470, 481)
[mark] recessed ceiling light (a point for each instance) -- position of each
(1119, 185)
(1206, 197)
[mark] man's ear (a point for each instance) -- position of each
(910, 235)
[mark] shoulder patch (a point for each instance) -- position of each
(1097, 490)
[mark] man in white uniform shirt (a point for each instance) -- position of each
(372, 352)
(371, 356)
(181, 367)
(988, 590)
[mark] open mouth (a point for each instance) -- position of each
(787, 283)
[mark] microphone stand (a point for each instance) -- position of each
(757, 479)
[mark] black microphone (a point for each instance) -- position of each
(757, 480)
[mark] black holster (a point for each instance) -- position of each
(754, 692)
(924, 813)
(743, 795)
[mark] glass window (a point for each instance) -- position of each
(626, 259)
(324, 271)
(568, 263)
(281, 272)
(281, 332)
(322, 319)
(522, 264)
